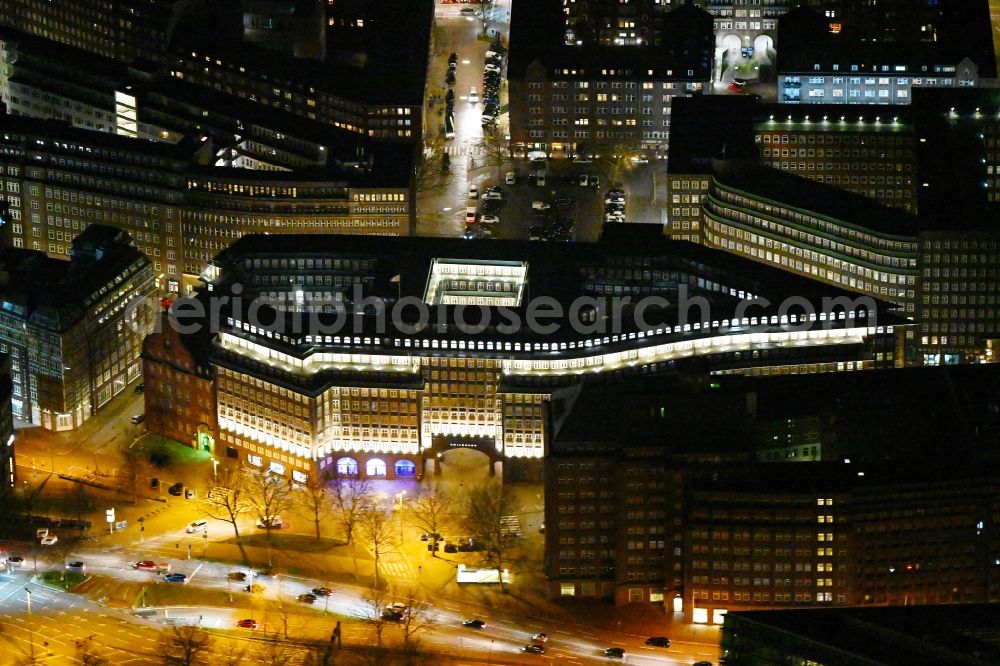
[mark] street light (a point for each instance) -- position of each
(31, 630)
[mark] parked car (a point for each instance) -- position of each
(247, 623)
(510, 178)
(493, 56)
(200, 525)
(139, 388)
(450, 77)
(175, 578)
(468, 11)
(322, 591)
(489, 219)
(427, 536)
(15, 562)
(275, 523)
(658, 641)
(584, 180)
(392, 615)
(76, 567)
(474, 624)
(49, 540)
(734, 88)
(138, 418)
(582, 159)
(176, 490)
(490, 67)
(307, 598)
(539, 206)
(473, 191)
(614, 652)
(453, 57)
(595, 181)
(493, 196)
(540, 179)
(449, 97)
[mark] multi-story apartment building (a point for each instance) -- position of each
(57, 180)
(180, 389)
(8, 473)
(345, 384)
(74, 328)
(650, 504)
(588, 99)
(824, 61)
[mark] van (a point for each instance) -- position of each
(197, 526)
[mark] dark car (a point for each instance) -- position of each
(176, 490)
(532, 648)
(491, 207)
(175, 578)
(265, 572)
(322, 591)
(450, 77)
(238, 576)
(453, 57)
(392, 615)
(658, 641)
(307, 598)
(427, 536)
(614, 653)
(450, 95)
(139, 388)
(474, 624)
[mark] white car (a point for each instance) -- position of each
(489, 120)
(468, 11)
(50, 540)
(489, 219)
(490, 67)
(473, 95)
(510, 178)
(473, 192)
(614, 199)
(539, 205)
(493, 196)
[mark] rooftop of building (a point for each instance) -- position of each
(914, 635)
(390, 70)
(538, 33)
(953, 157)
(787, 190)
(958, 29)
(883, 414)
(57, 293)
(60, 132)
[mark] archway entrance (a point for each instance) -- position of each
(462, 453)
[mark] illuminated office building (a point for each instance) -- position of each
(58, 180)
(349, 395)
(8, 474)
(74, 329)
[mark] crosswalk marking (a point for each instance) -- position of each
(401, 570)
(461, 149)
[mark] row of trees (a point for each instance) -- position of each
(355, 507)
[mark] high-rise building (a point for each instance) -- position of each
(8, 476)
(74, 328)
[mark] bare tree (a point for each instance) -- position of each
(496, 148)
(416, 618)
(378, 532)
(431, 511)
(351, 496)
(315, 496)
(376, 604)
(233, 656)
(270, 495)
(617, 157)
(228, 501)
(132, 472)
(486, 507)
(275, 652)
(186, 646)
